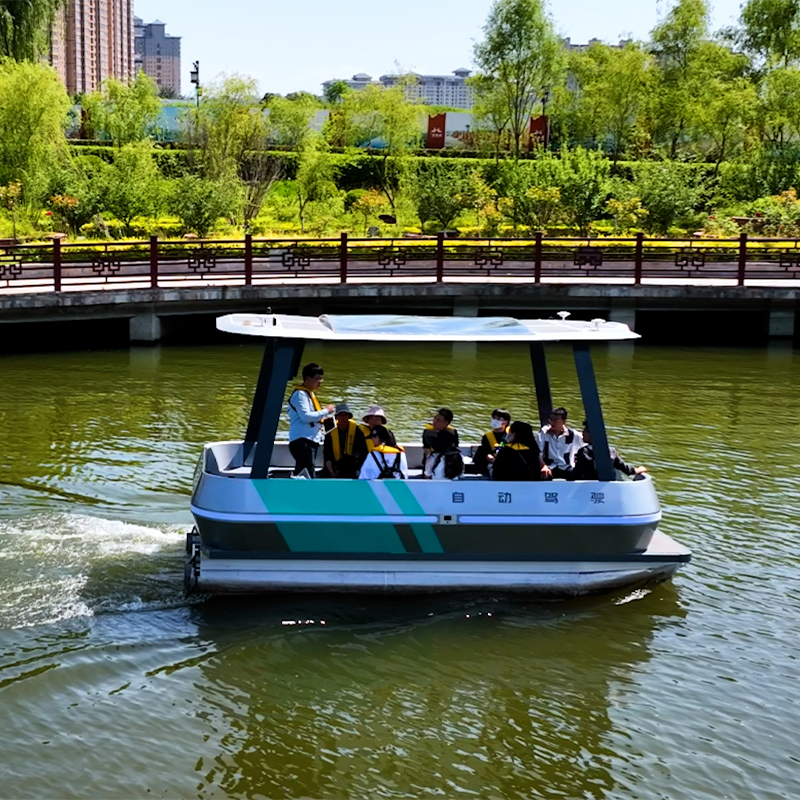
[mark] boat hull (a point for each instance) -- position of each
(551, 539)
(554, 577)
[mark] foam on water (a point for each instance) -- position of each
(57, 566)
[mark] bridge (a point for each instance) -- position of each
(155, 284)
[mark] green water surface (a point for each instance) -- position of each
(114, 685)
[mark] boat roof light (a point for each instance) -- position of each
(408, 328)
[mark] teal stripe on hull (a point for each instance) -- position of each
(304, 537)
(319, 497)
(426, 534)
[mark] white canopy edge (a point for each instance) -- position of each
(407, 328)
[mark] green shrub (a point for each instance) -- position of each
(200, 203)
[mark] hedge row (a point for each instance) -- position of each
(745, 181)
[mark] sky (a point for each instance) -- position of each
(288, 46)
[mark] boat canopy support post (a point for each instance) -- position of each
(280, 363)
(541, 380)
(594, 412)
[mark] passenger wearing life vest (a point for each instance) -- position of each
(519, 458)
(387, 459)
(559, 445)
(492, 441)
(344, 449)
(375, 416)
(306, 420)
(440, 455)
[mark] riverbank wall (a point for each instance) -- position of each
(663, 314)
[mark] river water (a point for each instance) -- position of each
(114, 685)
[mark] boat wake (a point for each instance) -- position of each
(57, 566)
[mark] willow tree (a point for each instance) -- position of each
(230, 134)
(34, 110)
(25, 27)
(520, 59)
(126, 113)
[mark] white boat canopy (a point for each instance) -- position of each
(285, 337)
(407, 328)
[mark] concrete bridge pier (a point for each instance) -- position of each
(623, 311)
(465, 353)
(782, 321)
(145, 328)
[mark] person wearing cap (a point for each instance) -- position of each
(492, 441)
(374, 417)
(306, 420)
(344, 449)
(519, 458)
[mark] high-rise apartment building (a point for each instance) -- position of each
(158, 55)
(93, 40)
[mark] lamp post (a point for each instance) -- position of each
(194, 77)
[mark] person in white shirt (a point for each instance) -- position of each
(306, 420)
(558, 445)
(386, 460)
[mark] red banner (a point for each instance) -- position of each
(540, 132)
(435, 140)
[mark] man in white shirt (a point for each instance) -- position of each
(558, 445)
(306, 420)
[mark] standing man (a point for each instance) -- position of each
(306, 416)
(558, 446)
(344, 448)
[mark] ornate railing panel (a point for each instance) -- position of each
(72, 266)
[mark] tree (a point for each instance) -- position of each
(676, 44)
(9, 198)
(314, 180)
(367, 205)
(667, 191)
(582, 178)
(728, 104)
(490, 111)
(133, 184)
(781, 110)
(230, 133)
(86, 180)
(440, 192)
(124, 113)
(33, 116)
(610, 86)
(200, 202)
(290, 119)
(335, 91)
(770, 32)
(382, 120)
(521, 54)
(25, 27)
(302, 96)
(221, 130)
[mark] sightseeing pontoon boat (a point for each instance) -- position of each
(258, 529)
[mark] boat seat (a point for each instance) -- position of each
(282, 463)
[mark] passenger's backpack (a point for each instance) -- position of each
(388, 472)
(453, 464)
